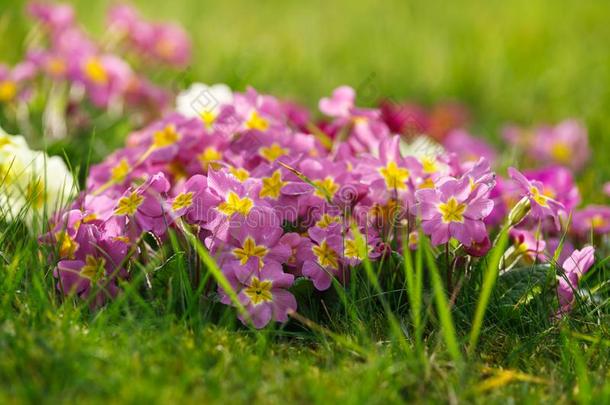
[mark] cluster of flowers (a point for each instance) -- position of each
(65, 66)
(274, 197)
(32, 184)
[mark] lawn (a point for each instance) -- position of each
(513, 61)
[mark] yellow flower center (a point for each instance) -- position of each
(94, 268)
(539, 197)
(395, 177)
(326, 256)
(327, 220)
(165, 137)
(119, 172)
(95, 71)
(429, 164)
(67, 245)
(234, 204)
(35, 193)
(272, 186)
(239, 173)
(427, 183)
(351, 250)
(326, 188)
(250, 249)
(257, 122)
(452, 211)
(209, 157)
(273, 152)
(182, 200)
(208, 118)
(259, 291)
(8, 90)
(56, 66)
(597, 221)
(5, 141)
(561, 152)
(129, 205)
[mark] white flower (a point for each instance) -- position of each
(31, 183)
(201, 100)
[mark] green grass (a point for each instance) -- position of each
(523, 61)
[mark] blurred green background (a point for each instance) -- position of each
(524, 61)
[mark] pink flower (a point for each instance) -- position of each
(557, 183)
(530, 247)
(566, 144)
(94, 267)
(542, 206)
(263, 291)
(143, 207)
(323, 262)
(340, 103)
(592, 219)
(574, 268)
(454, 210)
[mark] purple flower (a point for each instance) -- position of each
(263, 291)
(454, 210)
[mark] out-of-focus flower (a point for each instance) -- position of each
(591, 219)
(32, 183)
(566, 144)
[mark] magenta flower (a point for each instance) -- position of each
(542, 206)
(192, 201)
(454, 210)
(143, 207)
(263, 291)
(300, 248)
(592, 219)
(323, 262)
(574, 268)
(557, 183)
(256, 235)
(565, 144)
(94, 267)
(407, 119)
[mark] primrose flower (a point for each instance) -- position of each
(255, 235)
(144, 206)
(557, 183)
(323, 261)
(574, 267)
(105, 77)
(93, 268)
(55, 17)
(391, 174)
(31, 182)
(263, 291)
(454, 210)
(592, 219)
(192, 201)
(541, 205)
(565, 144)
